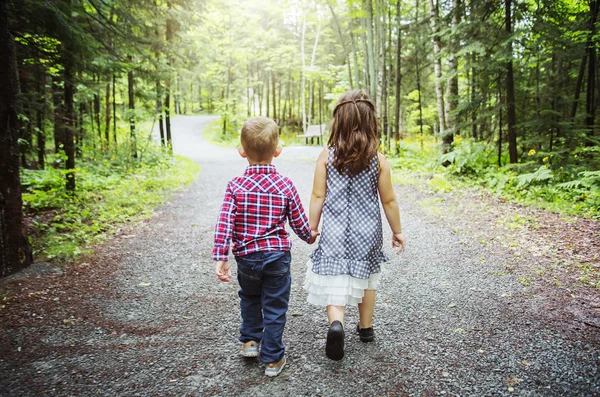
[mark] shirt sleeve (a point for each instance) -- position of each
(296, 216)
(224, 227)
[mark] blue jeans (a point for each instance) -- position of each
(265, 282)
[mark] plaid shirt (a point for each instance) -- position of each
(254, 211)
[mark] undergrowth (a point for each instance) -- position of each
(111, 191)
(567, 183)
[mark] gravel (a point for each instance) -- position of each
(146, 316)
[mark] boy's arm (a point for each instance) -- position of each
(317, 197)
(224, 227)
(388, 201)
(297, 216)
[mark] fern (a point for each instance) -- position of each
(542, 174)
(587, 179)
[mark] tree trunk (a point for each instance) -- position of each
(57, 101)
(273, 88)
(267, 96)
(24, 124)
(590, 108)
(355, 59)
(69, 121)
(15, 251)
(41, 111)
(303, 77)
(249, 92)
(114, 108)
(510, 90)
(371, 51)
(170, 32)
(418, 70)
(579, 83)
(437, 63)
(451, 117)
(159, 111)
(473, 111)
(107, 116)
(398, 73)
(97, 117)
(384, 84)
(168, 119)
(499, 126)
(131, 94)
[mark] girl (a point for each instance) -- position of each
(349, 176)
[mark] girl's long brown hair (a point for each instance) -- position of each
(354, 135)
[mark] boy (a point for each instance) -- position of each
(253, 217)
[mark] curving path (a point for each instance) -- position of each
(147, 317)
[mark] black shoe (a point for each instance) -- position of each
(335, 341)
(366, 334)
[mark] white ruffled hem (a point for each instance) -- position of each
(339, 290)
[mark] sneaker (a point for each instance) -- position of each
(366, 334)
(334, 349)
(274, 369)
(249, 349)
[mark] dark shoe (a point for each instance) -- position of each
(335, 341)
(366, 334)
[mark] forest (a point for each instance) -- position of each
(501, 94)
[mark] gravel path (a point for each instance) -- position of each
(146, 316)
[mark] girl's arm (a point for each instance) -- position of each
(388, 201)
(318, 193)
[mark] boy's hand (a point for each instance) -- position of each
(313, 236)
(399, 242)
(223, 271)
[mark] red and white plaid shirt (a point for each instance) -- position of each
(254, 211)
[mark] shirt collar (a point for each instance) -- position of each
(260, 169)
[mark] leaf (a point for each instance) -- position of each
(542, 174)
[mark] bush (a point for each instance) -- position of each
(110, 192)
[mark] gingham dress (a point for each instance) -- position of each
(347, 260)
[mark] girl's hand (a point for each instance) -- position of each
(399, 242)
(313, 236)
(223, 271)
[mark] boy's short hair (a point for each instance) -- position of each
(260, 137)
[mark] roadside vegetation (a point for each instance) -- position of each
(112, 190)
(556, 181)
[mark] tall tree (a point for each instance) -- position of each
(398, 72)
(437, 62)
(510, 88)
(451, 117)
(15, 251)
(591, 104)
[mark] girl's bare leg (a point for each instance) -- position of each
(336, 313)
(366, 309)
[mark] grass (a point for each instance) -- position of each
(110, 192)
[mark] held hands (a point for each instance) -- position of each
(399, 242)
(313, 236)
(223, 271)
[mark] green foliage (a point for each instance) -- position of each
(467, 157)
(110, 193)
(542, 174)
(557, 181)
(213, 132)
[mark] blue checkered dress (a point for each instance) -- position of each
(351, 239)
